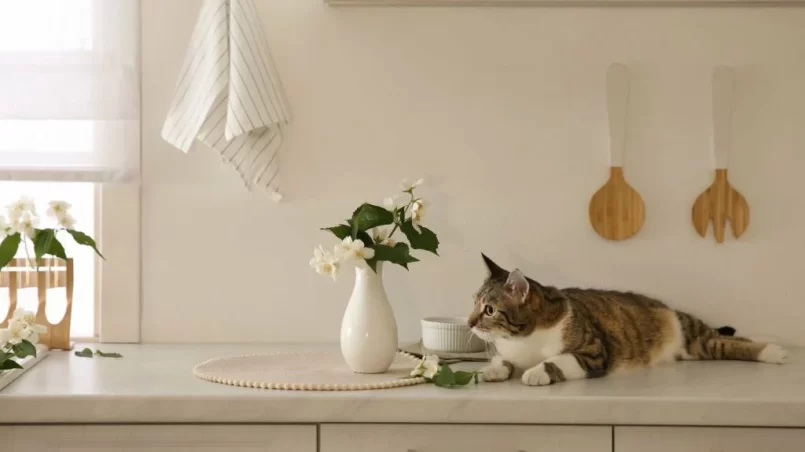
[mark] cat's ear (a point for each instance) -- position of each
(494, 270)
(518, 285)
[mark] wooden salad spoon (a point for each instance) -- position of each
(721, 202)
(617, 211)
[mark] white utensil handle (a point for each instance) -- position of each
(723, 89)
(617, 110)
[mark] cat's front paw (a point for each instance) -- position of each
(536, 376)
(496, 372)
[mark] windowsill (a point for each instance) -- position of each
(10, 375)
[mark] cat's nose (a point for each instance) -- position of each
(472, 321)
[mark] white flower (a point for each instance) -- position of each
(58, 209)
(28, 319)
(67, 221)
(381, 236)
(18, 331)
(325, 263)
(4, 337)
(417, 212)
(391, 203)
(353, 249)
(409, 187)
(428, 367)
(20, 207)
(26, 225)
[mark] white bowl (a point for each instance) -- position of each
(449, 334)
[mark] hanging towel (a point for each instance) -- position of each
(229, 96)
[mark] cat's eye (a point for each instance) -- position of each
(489, 310)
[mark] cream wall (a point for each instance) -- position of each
(502, 110)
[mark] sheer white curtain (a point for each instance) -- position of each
(69, 90)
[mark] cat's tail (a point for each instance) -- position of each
(705, 343)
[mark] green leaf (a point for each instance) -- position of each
(8, 248)
(108, 355)
(400, 254)
(86, 353)
(42, 241)
(47, 243)
(425, 240)
(369, 216)
(445, 378)
(84, 239)
(24, 349)
(341, 231)
(9, 364)
(464, 378)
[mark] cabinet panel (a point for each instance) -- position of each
(708, 439)
(463, 438)
(159, 438)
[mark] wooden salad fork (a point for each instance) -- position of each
(720, 201)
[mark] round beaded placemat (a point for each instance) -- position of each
(305, 371)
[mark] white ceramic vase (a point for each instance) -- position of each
(368, 329)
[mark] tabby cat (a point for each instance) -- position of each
(568, 334)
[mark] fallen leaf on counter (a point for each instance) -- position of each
(86, 353)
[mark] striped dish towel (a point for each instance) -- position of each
(229, 96)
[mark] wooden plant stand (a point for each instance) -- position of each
(52, 273)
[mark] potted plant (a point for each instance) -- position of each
(20, 227)
(368, 328)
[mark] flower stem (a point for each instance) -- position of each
(405, 210)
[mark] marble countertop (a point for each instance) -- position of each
(155, 384)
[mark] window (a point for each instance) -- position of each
(69, 130)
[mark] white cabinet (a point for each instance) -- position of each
(463, 438)
(158, 438)
(708, 439)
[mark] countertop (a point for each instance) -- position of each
(155, 384)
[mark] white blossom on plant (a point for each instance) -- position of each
(417, 212)
(325, 263)
(28, 319)
(24, 316)
(391, 203)
(18, 208)
(4, 336)
(365, 253)
(18, 332)
(58, 209)
(67, 221)
(427, 367)
(409, 187)
(381, 236)
(26, 224)
(350, 249)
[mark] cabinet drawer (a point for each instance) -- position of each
(158, 438)
(463, 438)
(708, 439)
